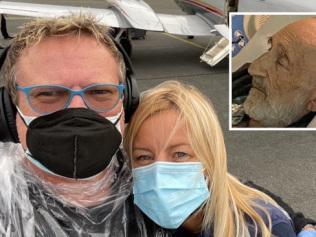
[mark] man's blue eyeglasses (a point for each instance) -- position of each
(45, 99)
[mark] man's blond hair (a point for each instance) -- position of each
(38, 30)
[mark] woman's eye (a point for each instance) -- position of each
(181, 155)
(142, 158)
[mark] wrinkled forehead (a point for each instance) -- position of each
(298, 42)
(301, 33)
(279, 29)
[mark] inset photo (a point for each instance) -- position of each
(273, 71)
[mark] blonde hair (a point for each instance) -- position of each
(231, 201)
(38, 30)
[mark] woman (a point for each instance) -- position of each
(180, 170)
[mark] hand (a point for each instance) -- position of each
(308, 231)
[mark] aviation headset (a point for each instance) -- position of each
(8, 129)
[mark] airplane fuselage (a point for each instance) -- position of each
(217, 6)
(276, 6)
(211, 10)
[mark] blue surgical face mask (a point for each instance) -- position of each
(168, 192)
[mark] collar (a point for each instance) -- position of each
(312, 123)
(307, 120)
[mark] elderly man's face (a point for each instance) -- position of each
(283, 78)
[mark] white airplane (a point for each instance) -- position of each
(124, 15)
(254, 5)
(218, 10)
(204, 17)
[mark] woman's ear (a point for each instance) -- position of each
(206, 176)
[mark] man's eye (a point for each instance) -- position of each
(47, 93)
(283, 61)
(270, 43)
(102, 92)
(282, 57)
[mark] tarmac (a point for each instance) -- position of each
(284, 162)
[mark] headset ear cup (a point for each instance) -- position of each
(8, 129)
(131, 96)
(131, 92)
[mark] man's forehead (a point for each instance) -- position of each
(63, 43)
(301, 32)
(297, 40)
(65, 56)
(260, 43)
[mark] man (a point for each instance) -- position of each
(283, 83)
(69, 177)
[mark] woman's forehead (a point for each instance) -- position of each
(162, 127)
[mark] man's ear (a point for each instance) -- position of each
(311, 103)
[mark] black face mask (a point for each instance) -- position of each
(75, 142)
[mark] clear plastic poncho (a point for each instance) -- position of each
(31, 206)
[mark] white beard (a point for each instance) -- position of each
(275, 111)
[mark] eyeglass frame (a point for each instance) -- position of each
(26, 90)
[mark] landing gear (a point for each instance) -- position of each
(127, 45)
(230, 6)
(125, 37)
(137, 34)
(4, 30)
(122, 36)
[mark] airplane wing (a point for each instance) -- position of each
(49, 11)
(185, 25)
(121, 14)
